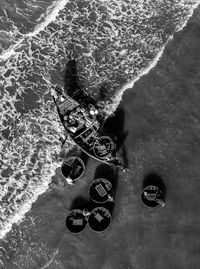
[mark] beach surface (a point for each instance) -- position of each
(161, 117)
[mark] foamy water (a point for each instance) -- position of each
(114, 42)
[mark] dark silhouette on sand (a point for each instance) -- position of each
(111, 174)
(115, 126)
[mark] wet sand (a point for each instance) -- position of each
(162, 121)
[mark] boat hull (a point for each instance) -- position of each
(84, 128)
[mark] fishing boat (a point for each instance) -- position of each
(83, 123)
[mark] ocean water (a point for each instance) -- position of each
(114, 42)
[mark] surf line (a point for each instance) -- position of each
(55, 8)
(118, 96)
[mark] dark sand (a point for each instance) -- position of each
(162, 117)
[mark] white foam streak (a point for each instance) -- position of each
(33, 141)
(11, 51)
(27, 205)
(189, 16)
(118, 97)
(51, 16)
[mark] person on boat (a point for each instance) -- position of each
(93, 110)
(71, 124)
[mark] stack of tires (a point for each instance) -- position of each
(73, 168)
(99, 217)
(153, 193)
(101, 193)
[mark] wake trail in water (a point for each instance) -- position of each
(115, 43)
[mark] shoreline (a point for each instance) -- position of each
(152, 151)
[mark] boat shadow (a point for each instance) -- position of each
(71, 81)
(114, 125)
(72, 84)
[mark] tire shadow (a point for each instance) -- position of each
(79, 203)
(111, 174)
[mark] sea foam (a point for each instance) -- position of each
(114, 47)
(118, 96)
(51, 14)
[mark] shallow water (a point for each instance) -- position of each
(114, 42)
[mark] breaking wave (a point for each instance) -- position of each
(114, 42)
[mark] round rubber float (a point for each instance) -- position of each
(73, 167)
(101, 191)
(152, 196)
(76, 221)
(99, 219)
